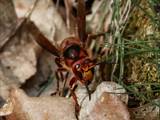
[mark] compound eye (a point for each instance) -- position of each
(77, 66)
(72, 52)
(86, 61)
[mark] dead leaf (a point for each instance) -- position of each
(96, 23)
(7, 108)
(45, 16)
(105, 104)
(109, 107)
(8, 21)
(17, 61)
(40, 108)
(149, 111)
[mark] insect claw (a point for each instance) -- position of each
(89, 92)
(77, 110)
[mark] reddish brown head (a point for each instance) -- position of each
(84, 70)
